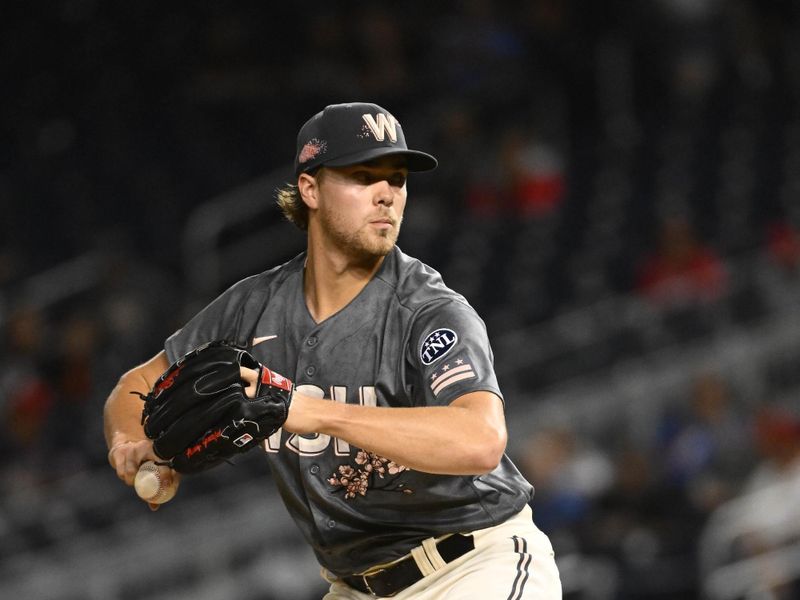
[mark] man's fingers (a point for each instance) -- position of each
(250, 377)
(129, 456)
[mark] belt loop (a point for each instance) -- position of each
(435, 558)
(426, 567)
(327, 575)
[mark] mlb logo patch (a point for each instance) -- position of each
(436, 345)
(243, 440)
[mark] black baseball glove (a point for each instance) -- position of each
(198, 414)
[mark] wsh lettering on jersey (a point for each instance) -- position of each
(317, 443)
(436, 345)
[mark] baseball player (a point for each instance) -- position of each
(391, 457)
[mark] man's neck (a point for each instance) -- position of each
(331, 281)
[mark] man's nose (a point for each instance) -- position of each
(384, 193)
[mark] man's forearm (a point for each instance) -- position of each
(122, 418)
(122, 414)
(466, 438)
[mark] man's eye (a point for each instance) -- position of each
(367, 178)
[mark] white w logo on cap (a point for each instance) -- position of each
(381, 125)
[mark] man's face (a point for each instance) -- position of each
(361, 206)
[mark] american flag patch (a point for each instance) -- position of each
(450, 374)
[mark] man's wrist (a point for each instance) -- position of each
(308, 414)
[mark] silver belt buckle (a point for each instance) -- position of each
(366, 583)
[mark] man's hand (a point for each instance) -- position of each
(126, 456)
(250, 378)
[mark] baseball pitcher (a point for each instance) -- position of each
(366, 381)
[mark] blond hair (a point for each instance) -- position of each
(292, 205)
(291, 202)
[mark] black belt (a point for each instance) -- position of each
(395, 578)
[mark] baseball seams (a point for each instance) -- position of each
(151, 485)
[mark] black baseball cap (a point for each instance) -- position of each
(352, 133)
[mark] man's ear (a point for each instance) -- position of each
(308, 188)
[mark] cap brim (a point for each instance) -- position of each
(416, 161)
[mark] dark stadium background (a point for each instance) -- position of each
(618, 196)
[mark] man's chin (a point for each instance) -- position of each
(382, 250)
(375, 250)
(382, 245)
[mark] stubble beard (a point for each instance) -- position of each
(364, 243)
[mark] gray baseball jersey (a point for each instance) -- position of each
(405, 340)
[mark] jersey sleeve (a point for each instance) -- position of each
(219, 320)
(449, 355)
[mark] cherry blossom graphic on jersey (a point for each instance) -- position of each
(370, 469)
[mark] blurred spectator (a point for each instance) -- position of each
(26, 395)
(569, 475)
(647, 526)
(706, 444)
(523, 177)
(483, 194)
(754, 537)
(461, 139)
(783, 245)
(75, 384)
(634, 491)
(682, 271)
(778, 442)
(535, 173)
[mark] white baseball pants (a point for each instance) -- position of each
(511, 561)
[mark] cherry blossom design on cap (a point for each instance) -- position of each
(312, 149)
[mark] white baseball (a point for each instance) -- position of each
(155, 483)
